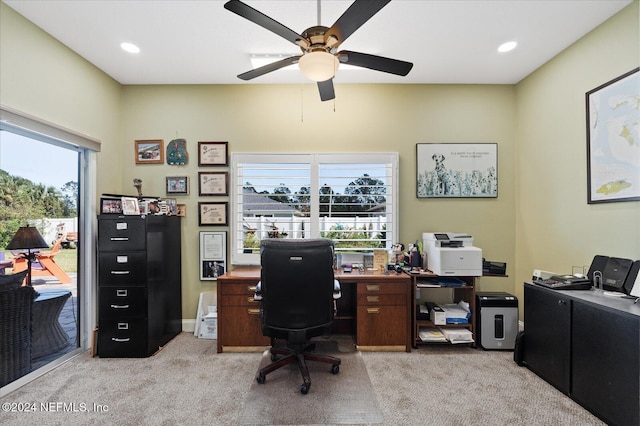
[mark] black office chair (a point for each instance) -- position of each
(297, 290)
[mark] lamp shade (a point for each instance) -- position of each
(27, 237)
(318, 66)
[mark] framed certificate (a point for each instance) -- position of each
(213, 213)
(213, 254)
(212, 153)
(213, 183)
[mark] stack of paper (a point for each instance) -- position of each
(457, 313)
(431, 334)
(457, 335)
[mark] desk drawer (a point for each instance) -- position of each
(122, 302)
(373, 299)
(122, 338)
(381, 326)
(248, 288)
(116, 268)
(240, 326)
(239, 300)
(381, 288)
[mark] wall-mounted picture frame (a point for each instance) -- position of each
(213, 213)
(613, 171)
(130, 206)
(181, 210)
(177, 185)
(213, 183)
(110, 206)
(213, 153)
(213, 254)
(149, 151)
(457, 170)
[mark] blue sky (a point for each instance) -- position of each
(37, 161)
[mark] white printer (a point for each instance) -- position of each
(452, 253)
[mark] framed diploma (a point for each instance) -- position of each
(213, 183)
(213, 213)
(213, 254)
(212, 153)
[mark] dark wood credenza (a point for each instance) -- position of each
(375, 307)
(587, 345)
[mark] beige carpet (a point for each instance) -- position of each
(343, 398)
(188, 383)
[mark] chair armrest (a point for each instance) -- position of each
(337, 294)
(257, 296)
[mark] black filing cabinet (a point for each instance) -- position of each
(139, 284)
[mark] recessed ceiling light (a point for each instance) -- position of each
(507, 47)
(130, 47)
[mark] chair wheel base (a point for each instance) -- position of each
(261, 379)
(335, 369)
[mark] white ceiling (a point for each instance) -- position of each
(200, 42)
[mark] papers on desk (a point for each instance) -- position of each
(431, 334)
(440, 282)
(442, 335)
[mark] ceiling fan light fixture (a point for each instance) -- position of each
(318, 65)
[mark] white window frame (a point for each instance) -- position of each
(314, 160)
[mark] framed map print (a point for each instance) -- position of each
(613, 140)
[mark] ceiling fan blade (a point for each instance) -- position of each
(378, 63)
(269, 67)
(257, 17)
(326, 90)
(352, 19)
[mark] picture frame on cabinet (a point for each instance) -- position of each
(171, 206)
(110, 206)
(213, 153)
(457, 170)
(213, 213)
(149, 151)
(177, 185)
(612, 116)
(213, 254)
(181, 210)
(213, 183)
(130, 206)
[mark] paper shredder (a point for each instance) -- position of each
(497, 320)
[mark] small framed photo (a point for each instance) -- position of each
(213, 213)
(149, 151)
(213, 183)
(181, 210)
(171, 206)
(130, 206)
(110, 206)
(213, 153)
(177, 185)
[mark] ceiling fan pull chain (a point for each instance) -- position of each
(319, 23)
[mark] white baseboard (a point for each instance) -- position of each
(188, 325)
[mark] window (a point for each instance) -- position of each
(350, 198)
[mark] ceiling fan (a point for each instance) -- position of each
(320, 59)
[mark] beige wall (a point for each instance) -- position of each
(373, 118)
(43, 78)
(539, 121)
(555, 227)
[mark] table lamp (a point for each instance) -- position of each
(27, 238)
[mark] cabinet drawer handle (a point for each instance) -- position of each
(120, 272)
(123, 326)
(253, 311)
(373, 288)
(252, 300)
(122, 293)
(119, 238)
(252, 288)
(116, 339)
(120, 306)
(373, 310)
(373, 298)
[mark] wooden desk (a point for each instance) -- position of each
(376, 307)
